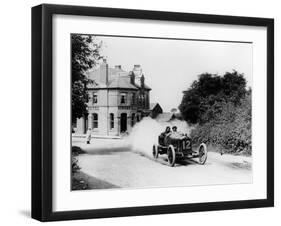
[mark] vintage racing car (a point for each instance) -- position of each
(178, 146)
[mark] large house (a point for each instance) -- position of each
(117, 100)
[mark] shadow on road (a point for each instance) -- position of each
(240, 165)
(164, 161)
(106, 151)
(99, 151)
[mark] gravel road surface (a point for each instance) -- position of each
(112, 164)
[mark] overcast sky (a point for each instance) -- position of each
(170, 66)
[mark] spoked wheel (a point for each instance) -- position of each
(202, 154)
(171, 155)
(155, 151)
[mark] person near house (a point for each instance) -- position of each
(89, 136)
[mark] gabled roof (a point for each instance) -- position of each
(117, 79)
(121, 83)
(153, 105)
(94, 73)
(95, 85)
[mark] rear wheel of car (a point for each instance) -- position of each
(202, 154)
(171, 155)
(155, 151)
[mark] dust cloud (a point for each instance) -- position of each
(145, 133)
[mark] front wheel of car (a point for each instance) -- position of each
(155, 151)
(171, 155)
(202, 154)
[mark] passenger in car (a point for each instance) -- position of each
(174, 128)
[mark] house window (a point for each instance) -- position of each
(133, 98)
(141, 99)
(123, 98)
(133, 120)
(95, 120)
(111, 120)
(95, 98)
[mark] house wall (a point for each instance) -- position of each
(109, 101)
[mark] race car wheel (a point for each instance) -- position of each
(171, 155)
(155, 151)
(202, 154)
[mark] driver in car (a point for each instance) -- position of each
(164, 134)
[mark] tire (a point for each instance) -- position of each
(171, 155)
(202, 152)
(155, 151)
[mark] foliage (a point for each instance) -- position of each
(79, 184)
(221, 108)
(85, 55)
(207, 95)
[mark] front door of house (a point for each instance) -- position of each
(123, 122)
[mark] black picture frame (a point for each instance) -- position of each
(42, 111)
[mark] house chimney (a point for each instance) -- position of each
(142, 81)
(132, 78)
(104, 72)
(137, 70)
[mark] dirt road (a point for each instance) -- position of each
(116, 165)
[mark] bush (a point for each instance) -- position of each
(75, 151)
(230, 129)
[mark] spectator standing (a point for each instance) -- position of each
(89, 136)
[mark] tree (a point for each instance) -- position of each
(207, 96)
(234, 86)
(85, 55)
(190, 106)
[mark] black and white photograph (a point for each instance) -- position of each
(153, 112)
(147, 112)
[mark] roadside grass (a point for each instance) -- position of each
(83, 181)
(77, 183)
